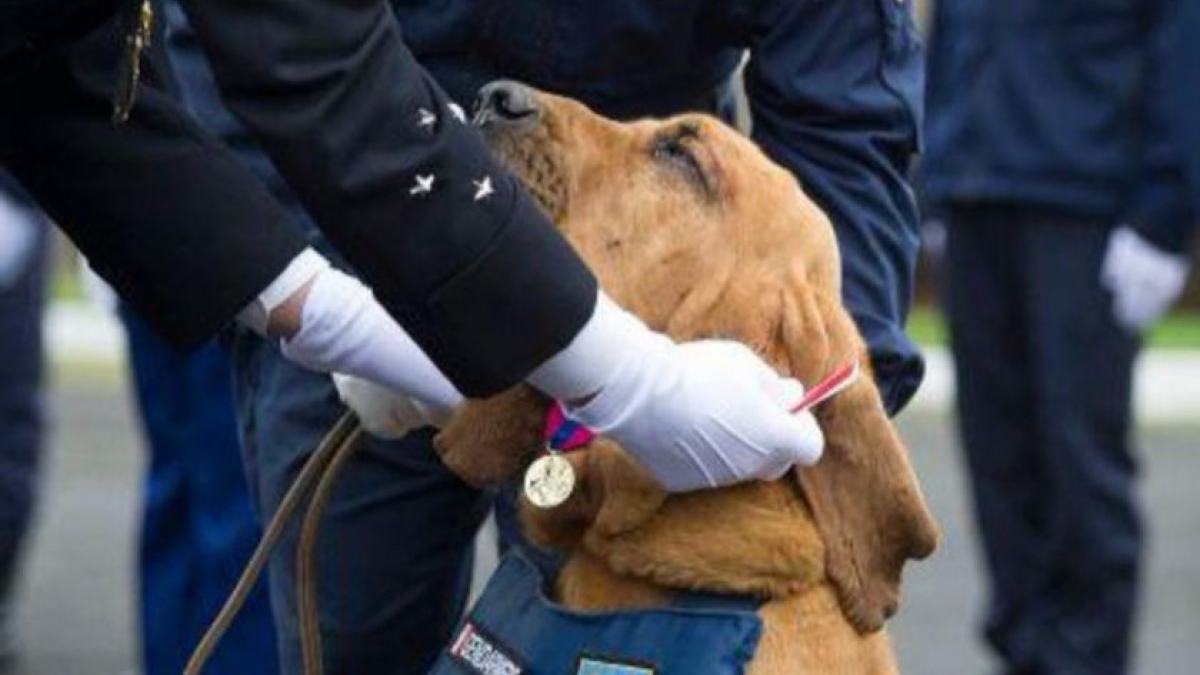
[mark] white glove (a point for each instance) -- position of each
(344, 329)
(1145, 280)
(697, 415)
(18, 233)
(386, 413)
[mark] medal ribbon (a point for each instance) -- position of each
(827, 388)
(563, 434)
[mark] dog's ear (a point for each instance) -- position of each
(487, 442)
(863, 493)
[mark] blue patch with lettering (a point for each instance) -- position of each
(595, 666)
(483, 654)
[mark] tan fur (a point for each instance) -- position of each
(490, 441)
(743, 255)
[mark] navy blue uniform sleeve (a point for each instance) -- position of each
(1163, 211)
(406, 190)
(835, 91)
(1182, 66)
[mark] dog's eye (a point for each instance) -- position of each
(674, 150)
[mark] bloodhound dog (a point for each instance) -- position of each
(690, 226)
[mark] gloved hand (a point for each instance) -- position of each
(384, 412)
(342, 329)
(1145, 280)
(18, 234)
(697, 415)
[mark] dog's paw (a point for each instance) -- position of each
(489, 442)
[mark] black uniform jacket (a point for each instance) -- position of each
(401, 185)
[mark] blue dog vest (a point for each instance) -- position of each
(515, 630)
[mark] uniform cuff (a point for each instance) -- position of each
(521, 302)
(300, 271)
(594, 357)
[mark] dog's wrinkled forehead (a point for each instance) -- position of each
(660, 193)
(565, 152)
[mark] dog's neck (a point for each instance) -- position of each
(755, 539)
(585, 583)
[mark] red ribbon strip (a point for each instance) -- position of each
(828, 388)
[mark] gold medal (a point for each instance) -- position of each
(549, 481)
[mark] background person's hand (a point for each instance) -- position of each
(697, 415)
(1144, 279)
(386, 413)
(18, 236)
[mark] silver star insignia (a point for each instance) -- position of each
(423, 186)
(425, 118)
(483, 188)
(457, 111)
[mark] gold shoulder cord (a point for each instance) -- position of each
(137, 38)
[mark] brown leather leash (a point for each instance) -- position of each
(315, 483)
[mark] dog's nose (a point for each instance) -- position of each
(505, 101)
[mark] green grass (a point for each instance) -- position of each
(927, 326)
(1180, 330)
(66, 285)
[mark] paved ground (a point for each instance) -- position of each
(935, 631)
(75, 612)
(76, 615)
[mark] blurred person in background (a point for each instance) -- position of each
(1055, 164)
(198, 523)
(23, 235)
(834, 90)
(1183, 65)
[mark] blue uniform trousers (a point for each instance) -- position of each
(395, 556)
(1044, 388)
(21, 422)
(198, 526)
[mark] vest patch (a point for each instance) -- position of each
(481, 653)
(590, 665)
